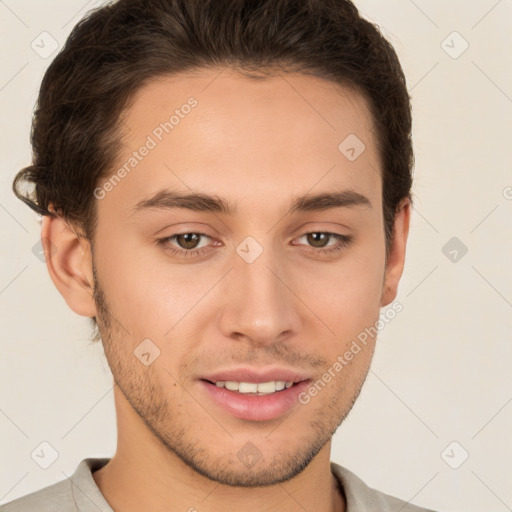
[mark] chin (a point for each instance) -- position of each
(271, 473)
(252, 465)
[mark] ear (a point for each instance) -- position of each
(69, 262)
(396, 259)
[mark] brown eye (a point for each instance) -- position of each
(318, 239)
(187, 245)
(188, 240)
(320, 242)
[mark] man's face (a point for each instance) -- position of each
(258, 291)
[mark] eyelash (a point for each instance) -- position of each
(343, 242)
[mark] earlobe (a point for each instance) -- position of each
(396, 259)
(69, 262)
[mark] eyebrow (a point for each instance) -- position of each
(199, 202)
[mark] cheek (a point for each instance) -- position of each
(347, 294)
(148, 295)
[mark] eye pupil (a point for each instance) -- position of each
(314, 238)
(191, 240)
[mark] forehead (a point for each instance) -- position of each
(224, 133)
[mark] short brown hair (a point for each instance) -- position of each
(117, 48)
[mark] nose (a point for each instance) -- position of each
(259, 303)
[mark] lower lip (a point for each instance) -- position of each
(255, 407)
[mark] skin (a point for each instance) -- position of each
(259, 144)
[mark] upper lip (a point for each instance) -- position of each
(258, 376)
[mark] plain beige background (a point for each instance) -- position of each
(439, 389)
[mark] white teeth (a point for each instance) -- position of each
(248, 387)
(280, 385)
(232, 386)
(263, 388)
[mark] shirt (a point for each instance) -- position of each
(80, 493)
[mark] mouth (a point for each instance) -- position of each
(253, 396)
